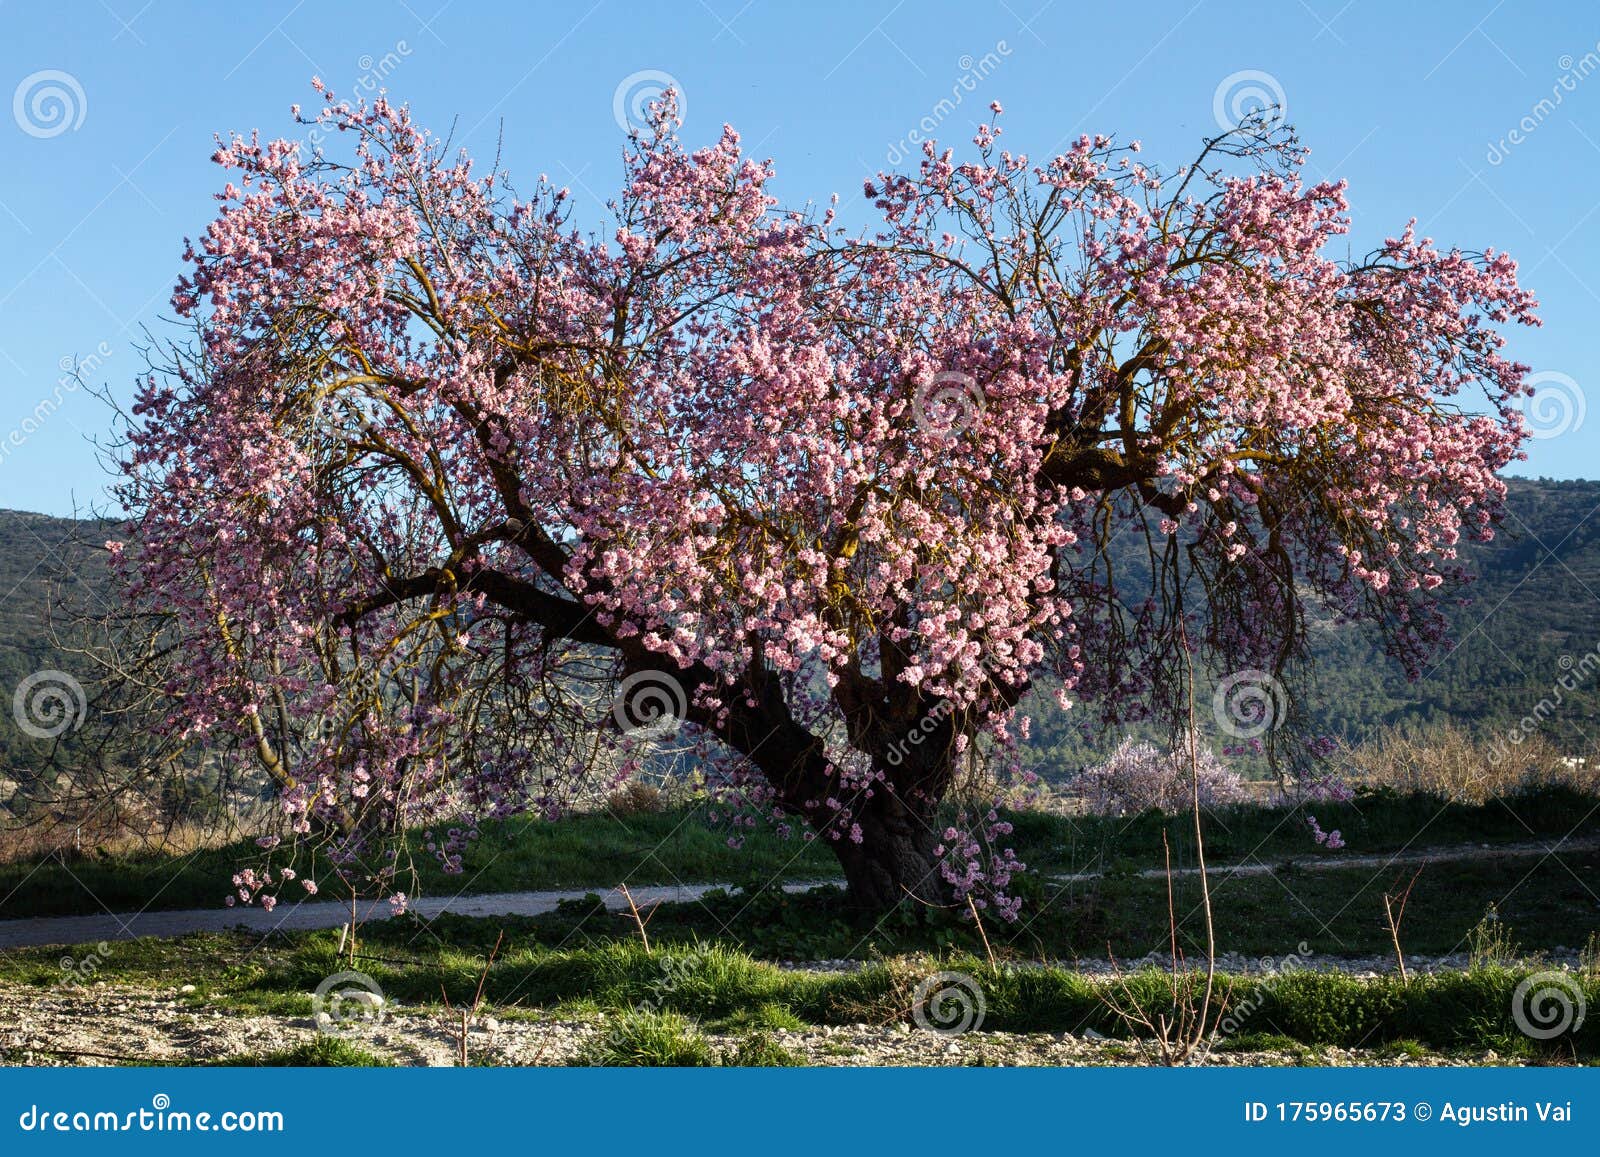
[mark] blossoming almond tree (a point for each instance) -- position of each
(448, 497)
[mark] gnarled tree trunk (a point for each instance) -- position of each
(895, 859)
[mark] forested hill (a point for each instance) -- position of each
(1534, 614)
(1536, 604)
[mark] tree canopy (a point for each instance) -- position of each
(448, 499)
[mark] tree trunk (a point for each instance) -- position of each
(895, 859)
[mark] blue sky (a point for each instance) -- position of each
(1430, 110)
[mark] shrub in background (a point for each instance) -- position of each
(1138, 776)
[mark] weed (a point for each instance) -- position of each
(762, 1051)
(649, 1040)
(320, 1052)
(1490, 943)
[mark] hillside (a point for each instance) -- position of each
(1534, 612)
(1536, 605)
(39, 554)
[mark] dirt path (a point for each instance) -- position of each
(35, 931)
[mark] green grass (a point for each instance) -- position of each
(681, 846)
(1545, 903)
(762, 1051)
(321, 1052)
(662, 1002)
(1374, 822)
(650, 1040)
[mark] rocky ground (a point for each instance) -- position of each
(109, 1024)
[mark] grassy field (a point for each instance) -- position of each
(729, 993)
(681, 846)
(722, 989)
(1539, 905)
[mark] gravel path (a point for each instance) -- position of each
(109, 926)
(108, 1025)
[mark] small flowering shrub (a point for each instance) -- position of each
(1139, 776)
(1327, 788)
